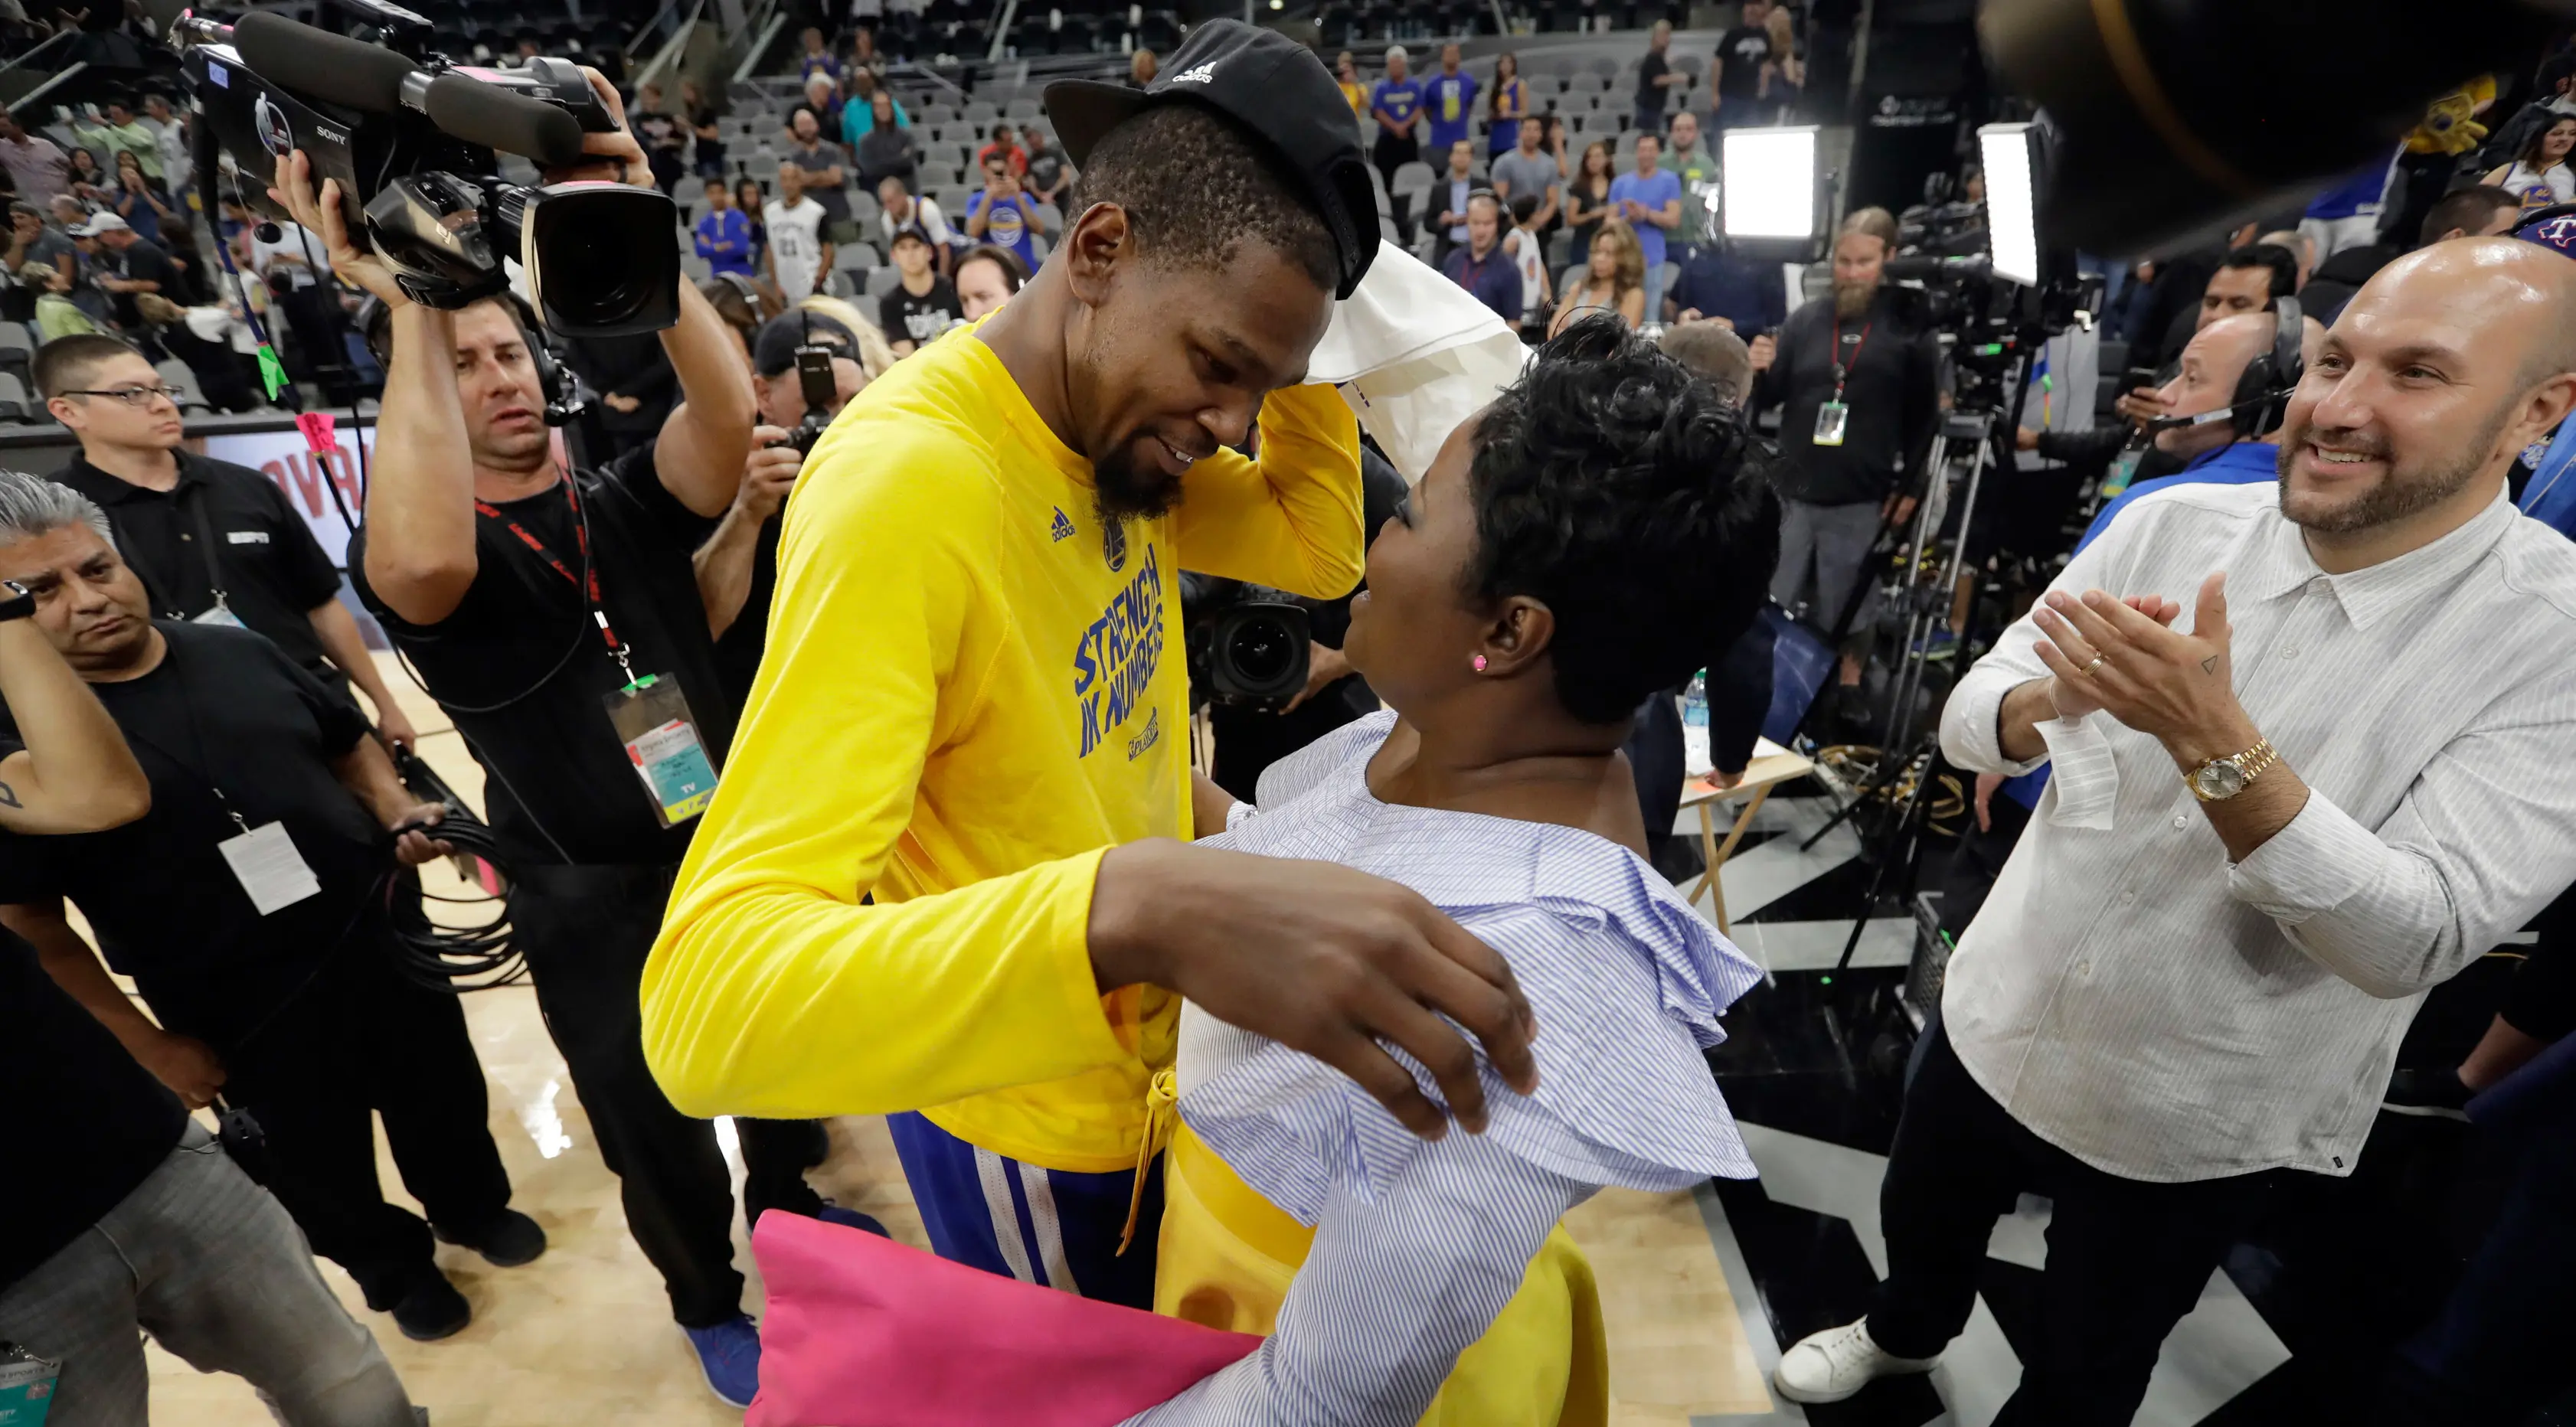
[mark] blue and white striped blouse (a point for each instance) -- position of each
(1419, 1245)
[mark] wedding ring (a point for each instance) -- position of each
(2087, 670)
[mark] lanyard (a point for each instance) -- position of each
(1841, 369)
(205, 547)
(196, 740)
(589, 587)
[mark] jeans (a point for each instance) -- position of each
(211, 1266)
(1826, 547)
(2126, 1258)
(585, 932)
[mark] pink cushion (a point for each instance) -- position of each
(865, 1332)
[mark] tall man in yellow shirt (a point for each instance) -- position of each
(972, 713)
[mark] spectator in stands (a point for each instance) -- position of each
(1396, 105)
(86, 177)
(1859, 389)
(988, 277)
(1003, 215)
(1587, 195)
(35, 163)
(1695, 169)
(1655, 78)
(823, 176)
(32, 239)
(665, 138)
(1735, 71)
(140, 199)
(824, 99)
(298, 274)
(1479, 264)
(799, 251)
(723, 234)
(119, 133)
(275, 582)
(898, 210)
(2303, 256)
(55, 314)
(2246, 278)
(1050, 178)
(1614, 280)
(1526, 171)
(1784, 79)
(817, 58)
(2347, 215)
(865, 58)
(2475, 212)
(287, 1001)
(1554, 143)
(169, 132)
(1506, 105)
(752, 201)
(132, 266)
(1450, 98)
(923, 304)
(1528, 252)
(886, 150)
(139, 1218)
(1455, 186)
(859, 117)
(2181, 1030)
(1007, 144)
(1649, 201)
(699, 115)
(1346, 70)
(2540, 175)
(1745, 296)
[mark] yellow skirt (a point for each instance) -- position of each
(1227, 1254)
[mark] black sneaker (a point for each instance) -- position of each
(432, 1310)
(508, 1241)
(2434, 1093)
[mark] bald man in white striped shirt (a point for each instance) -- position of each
(2275, 823)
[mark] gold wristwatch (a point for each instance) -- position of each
(2222, 778)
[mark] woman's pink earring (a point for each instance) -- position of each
(1479, 663)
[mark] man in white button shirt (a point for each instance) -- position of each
(2264, 840)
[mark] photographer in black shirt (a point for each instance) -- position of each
(261, 948)
(556, 618)
(1859, 389)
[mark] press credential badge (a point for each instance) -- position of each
(270, 870)
(652, 716)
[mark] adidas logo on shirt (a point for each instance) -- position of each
(1062, 528)
(1196, 74)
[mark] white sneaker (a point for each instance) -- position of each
(1832, 1365)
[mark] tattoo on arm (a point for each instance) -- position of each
(9, 797)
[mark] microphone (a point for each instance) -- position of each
(376, 80)
(2179, 423)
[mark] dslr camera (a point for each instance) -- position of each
(822, 393)
(412, 139)
(1247, 644)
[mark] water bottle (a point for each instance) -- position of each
(1695, 701)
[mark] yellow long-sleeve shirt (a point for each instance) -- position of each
(972, 689)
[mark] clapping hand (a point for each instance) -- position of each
(2124, 658)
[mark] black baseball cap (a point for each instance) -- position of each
(1272, 86)
(773, 352)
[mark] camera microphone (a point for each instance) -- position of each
(376, 80)
(2207, 418)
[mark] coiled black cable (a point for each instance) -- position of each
(451, 959)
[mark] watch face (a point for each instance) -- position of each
(2219, 780)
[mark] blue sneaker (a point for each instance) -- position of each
(729, 1353)
(832, 1213)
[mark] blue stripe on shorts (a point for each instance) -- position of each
(1042, 1226)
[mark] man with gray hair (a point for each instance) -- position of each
(262, 950)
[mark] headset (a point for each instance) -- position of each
(2263, 389)
(566, 400)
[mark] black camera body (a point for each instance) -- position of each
(814, 380)
(412, 145)
(1247, 645)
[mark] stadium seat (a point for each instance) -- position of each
(882, 281)
(854, 257)
(937, 175)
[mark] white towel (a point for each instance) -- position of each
(1414, 355)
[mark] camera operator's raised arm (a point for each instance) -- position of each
(706, 437)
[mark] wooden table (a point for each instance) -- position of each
(1772, 766)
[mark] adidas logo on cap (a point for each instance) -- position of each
(1196, 74)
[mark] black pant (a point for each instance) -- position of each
(585, 932)
(2126, 1258)
(356, 1039)
(1393, 152)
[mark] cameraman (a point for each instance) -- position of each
(260, 947)
(737, 568)
(1859, 388)
(536, 601)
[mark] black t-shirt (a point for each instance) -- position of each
(87, 1124)
(223, 725)
(1046, 165)
(144, 261)
(272, 570)
(1741, 53)
(905, 316)
(1650, 95)
(1891, 392)
(523, 639)
(663, 136)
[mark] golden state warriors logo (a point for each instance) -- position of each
(1113, 542)
(1115, 660)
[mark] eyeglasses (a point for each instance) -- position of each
(133, 395)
